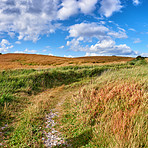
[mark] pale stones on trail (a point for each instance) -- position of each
(53, 137)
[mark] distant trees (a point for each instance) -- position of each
(140, 58)
(0, 53)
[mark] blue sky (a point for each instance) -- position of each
(74, 28)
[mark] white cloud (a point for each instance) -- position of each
(109, 47)
(5, 45)
(96, 30)
(104, 44)
(11, 34)
(144, 54)
(136, 2)
(29, 19)
(17, 42)
(119, 34)
(19, 51)
(80, 34)
(68, 56)
(61, 47)
(50, 54)
(82, 30)
(30, 51)
(75, 44)
(103, 47)
(131, 29)
(69, 8)
(91, 54)
(27, 51)
(87, 6)
(108, 7)
(72, 7)
(137, 40)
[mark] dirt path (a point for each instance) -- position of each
(52, 137)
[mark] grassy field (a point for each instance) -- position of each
(105, 102)
(27, 61)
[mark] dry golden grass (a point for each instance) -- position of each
(21, 61)
(113, 106)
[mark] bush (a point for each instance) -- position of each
(138, 61)
(140, 58)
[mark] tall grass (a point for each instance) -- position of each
(114, 108)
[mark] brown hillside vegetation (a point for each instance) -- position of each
(17, 61)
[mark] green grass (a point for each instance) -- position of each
(24, 111)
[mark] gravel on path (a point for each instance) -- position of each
(53, 137)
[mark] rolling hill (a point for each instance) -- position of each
(20, 61)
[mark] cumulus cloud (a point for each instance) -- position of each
(5, 45)
(104, 44)
(103, 47)
(32, 18)
(72, 7)
(80, 34)
(95, 30)
(29, 19)
(75, 44)
(87, 6)
(88, 30)
(136, 2)
(108, 7)
(109, 47)
(69, 8)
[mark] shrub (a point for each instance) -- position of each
(139, 58)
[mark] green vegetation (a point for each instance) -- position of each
(110, 112)
(138, 61)
(23, 106)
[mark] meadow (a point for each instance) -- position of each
(103, 105)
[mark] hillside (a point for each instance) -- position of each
(20, 61)
(97, 106)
